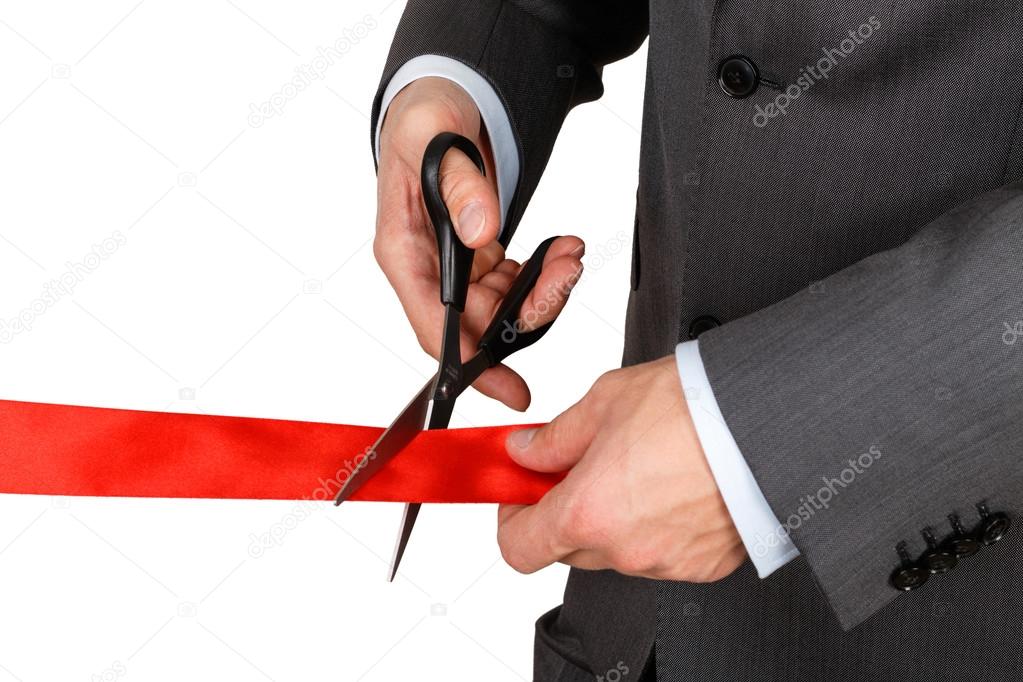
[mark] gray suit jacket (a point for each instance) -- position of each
(837, 207)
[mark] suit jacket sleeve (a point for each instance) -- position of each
(542, 58)
(877, 402)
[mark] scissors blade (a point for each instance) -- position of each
(399, 434)
(408, 521)
(439, 418)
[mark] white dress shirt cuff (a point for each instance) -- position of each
(766, 540)
(492, 111)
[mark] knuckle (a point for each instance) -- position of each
(566, 524)
(699, 570)
(702, 574)
(458, 185)
(378, 251)
(511, 554)
(581, 523)
(642, 559)
(504, 543)
(606, 384)
(555, 438)
(511, 558)
(425, 341)
(720, 569)
(632, 562)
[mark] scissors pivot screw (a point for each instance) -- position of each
(444, 390)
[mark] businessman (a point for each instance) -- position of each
(810, 464)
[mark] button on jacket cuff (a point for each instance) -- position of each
(767, 543)
(495, 118)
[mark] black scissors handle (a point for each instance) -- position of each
(507, 332)
(455, 257)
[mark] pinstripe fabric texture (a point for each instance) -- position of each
(864, 250)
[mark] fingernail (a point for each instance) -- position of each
(471, 220)
(520, 440)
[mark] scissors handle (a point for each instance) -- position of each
(455, 257)
(505, 334)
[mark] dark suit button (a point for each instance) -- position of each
(704, 323)
(937, 559)
(963, 544)
(993, 527)
(738, 76)
(908, 576)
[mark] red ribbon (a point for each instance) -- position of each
(68, 450)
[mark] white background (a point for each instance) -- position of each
(246, 285)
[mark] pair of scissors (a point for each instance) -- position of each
(432, 407)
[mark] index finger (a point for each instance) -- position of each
(562, 268)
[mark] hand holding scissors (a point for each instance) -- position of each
(405, 246)
(508, 331)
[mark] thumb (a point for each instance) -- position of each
(557, 446)
(471, 199)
